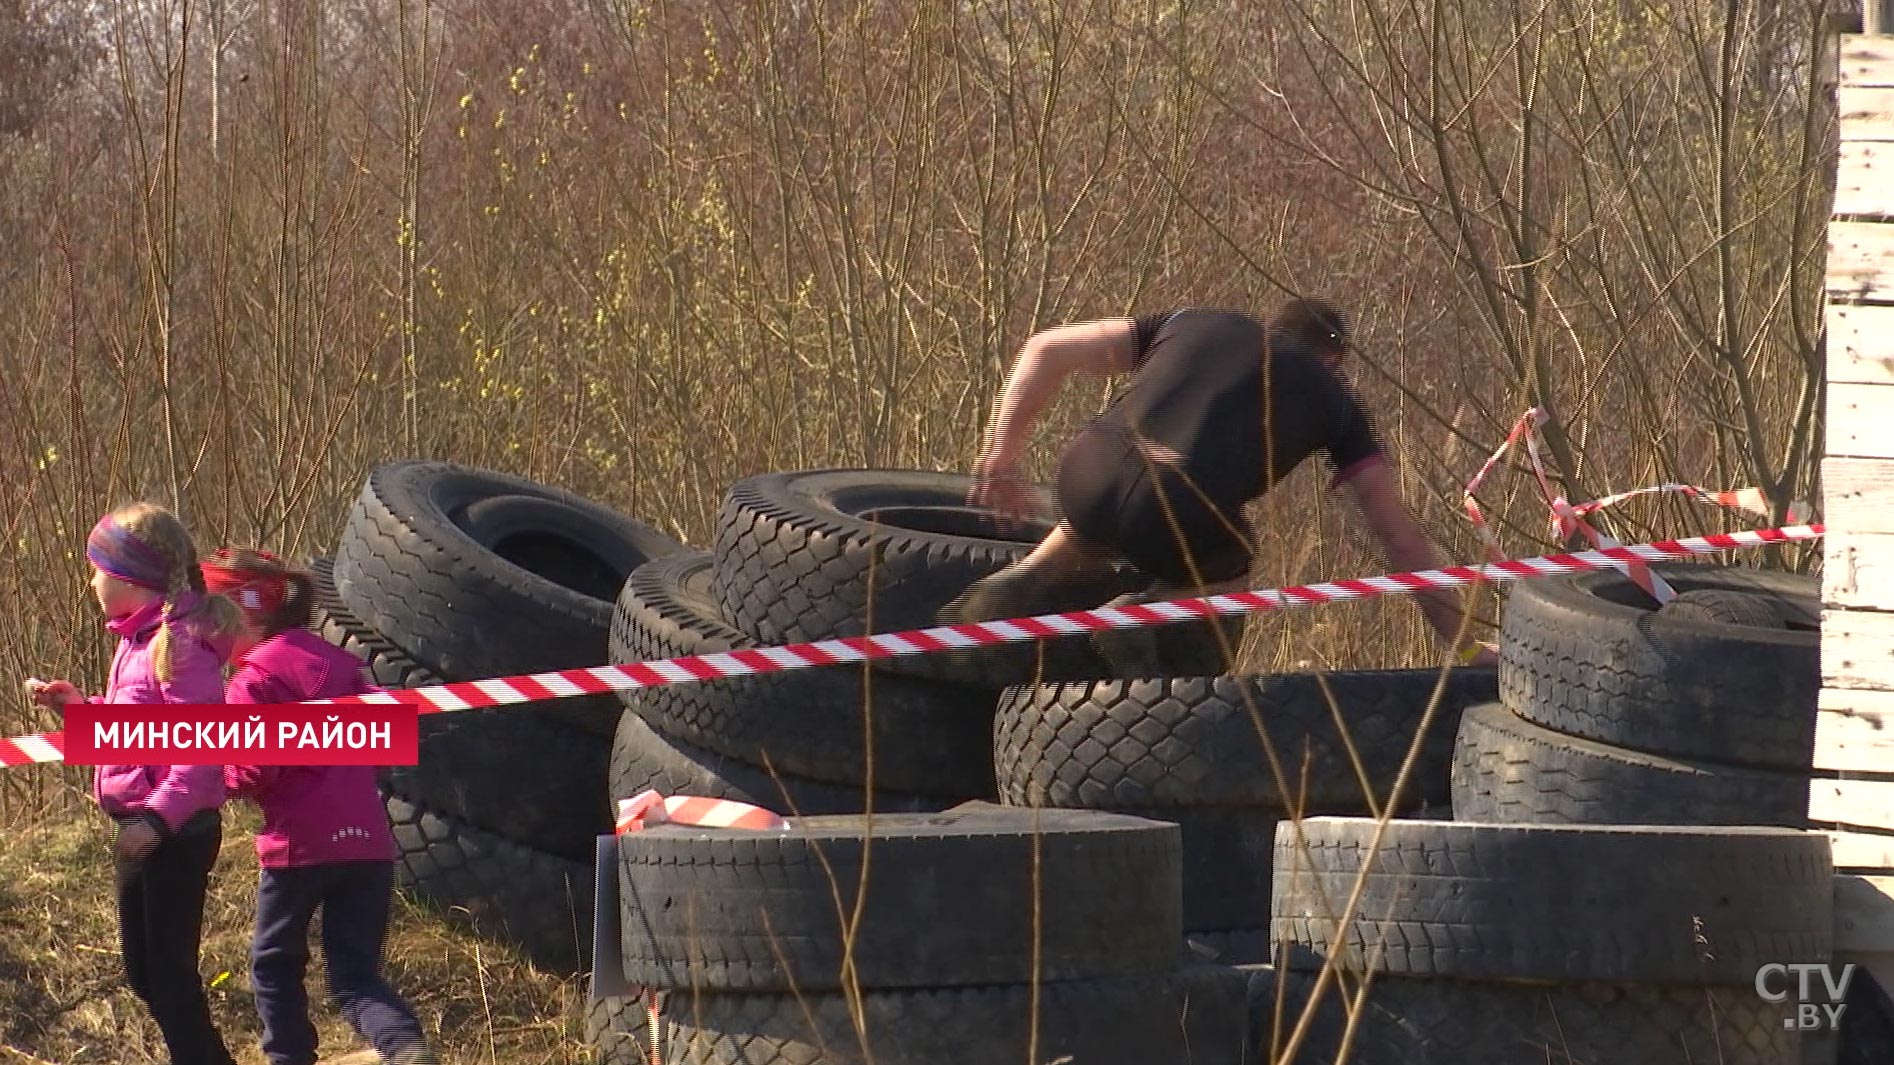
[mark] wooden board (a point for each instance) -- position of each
(1858, 495)
(1866, 112)
(1867, 803)
(1864, 178)
(1856, 850)
(1858, 552)
(1861, 338)
(1858, 649)
(1864, 914)
(1854, 732)
(1860, 421)
(1867, 60)
(1861, 261)
(1858, 570)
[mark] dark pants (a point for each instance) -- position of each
(160, 927)
(354, 897)
(1176, 526)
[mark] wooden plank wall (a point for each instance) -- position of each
(1854, 738)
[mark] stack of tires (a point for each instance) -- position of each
(1227, 758)
(1486, 944)
(1598, 898)
(981, 933)
(447, 573)
(1701, 712)
(816, 555)
(819, 555)
(1616, 719)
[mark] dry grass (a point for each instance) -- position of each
(62, 998)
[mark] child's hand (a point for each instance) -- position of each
(136, 839)
(53, 693)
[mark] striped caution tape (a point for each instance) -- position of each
(1568, 518)
(650, 807)
(538, 687)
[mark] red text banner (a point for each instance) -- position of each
(375, 734)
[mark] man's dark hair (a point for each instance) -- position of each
(1315, 322)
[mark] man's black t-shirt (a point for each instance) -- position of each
(1240, 419)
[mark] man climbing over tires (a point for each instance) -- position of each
(1220, 407)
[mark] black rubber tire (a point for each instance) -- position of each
(1196, 1016)
(1508, 770)
(929, 737)
(1867, 1023)
(1724, 607)
(505, 771)
(797, 552)
(643, 758)
(1646, 905)
(1228, 946)
(390, 666)
(1225, 855)
(1192, 741)
(1408, 1021)
(950, 902)
(1586, 655)
(435, 557)
(540, 903)
(618, 1031)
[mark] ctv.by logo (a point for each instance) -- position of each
(1808, 1015)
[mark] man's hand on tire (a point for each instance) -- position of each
(998, 486)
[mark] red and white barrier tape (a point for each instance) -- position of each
(651, 807)
(1569, 518)
(537, 687)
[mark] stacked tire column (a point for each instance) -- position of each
(1489, 944)
(447, 573)
(1614, 712)
(819, 555)
(977, 934)
(1226, 758)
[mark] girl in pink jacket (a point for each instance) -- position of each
(171, 649)
(325, 840)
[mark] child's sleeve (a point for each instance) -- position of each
(185, 790)
(249, 781)
(249, 687)
(197, 673)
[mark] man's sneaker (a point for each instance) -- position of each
(1130, 652)
(418, 1054)
(1183, 648)
(1013, 592)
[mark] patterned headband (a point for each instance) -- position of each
(115, 552)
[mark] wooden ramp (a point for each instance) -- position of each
(1853, 795)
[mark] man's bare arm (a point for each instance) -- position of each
(1098, 349)
(1406, 547)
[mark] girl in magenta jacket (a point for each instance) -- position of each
(325, 840)
(171, 648)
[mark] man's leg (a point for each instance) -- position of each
(1053, 577)
(1064, 570)
(1194, 548)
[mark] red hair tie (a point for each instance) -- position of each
(254, 591)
